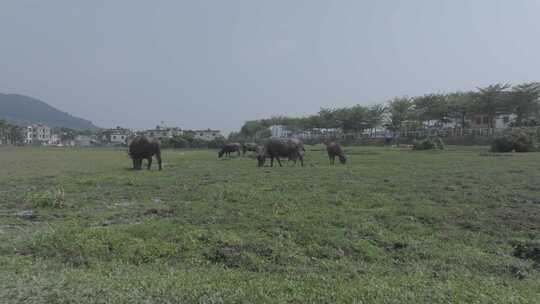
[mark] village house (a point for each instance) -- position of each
(55, 139)
(207, 135)
(480, 121)
(38, 134)
(84, 140)
(117, 136)
(163, 132)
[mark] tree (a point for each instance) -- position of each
(431, 107)
(16, 134)
(524, 101)
(250, 128)
(461, 106)
(235, 137)
(491, 101)
(375, 115)
(263, 134)
(352, 119)
(400, 109)
(328, 119)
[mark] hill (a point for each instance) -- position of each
(23, 110)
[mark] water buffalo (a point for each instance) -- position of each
(142, 147)
(249, 147)
(293, 149)
(334, 149)
(227, 149)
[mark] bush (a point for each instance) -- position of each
(428, 144)
(439, 143)
(216, 143)
(523, 142)
(517, 140)
(502, 144)
(176, 142)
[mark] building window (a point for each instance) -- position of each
(506, 119)
(485, 120)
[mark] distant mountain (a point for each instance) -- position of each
(23, 110)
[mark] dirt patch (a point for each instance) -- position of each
(527, 251)
(161, 212)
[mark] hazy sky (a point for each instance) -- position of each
(200, 64)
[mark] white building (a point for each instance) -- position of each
(279, 131)
(163, 132)
(38, 133)
(119, 138)
(55, 139)
(207, 135)
(500, 122)
(84, 140)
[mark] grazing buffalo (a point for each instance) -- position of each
(334, 149)
(293, 149)
(229, 148)
(249, 147)
(141, 147)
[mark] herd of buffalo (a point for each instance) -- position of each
(142, 147)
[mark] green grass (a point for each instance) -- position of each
(392, 226)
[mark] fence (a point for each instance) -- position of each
(453, 136)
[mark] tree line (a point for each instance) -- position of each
(522, 100)
(10, 134)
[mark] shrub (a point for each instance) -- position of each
(523, 142)
(428, 144)
(439, 143)
(177, 142)
(517, 140)
(216, 143)
(502, 144)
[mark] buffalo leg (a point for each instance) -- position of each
(137, 163)
(149, 162)
(271, 161)
(158, 157)
(279, 161)
(301, 158)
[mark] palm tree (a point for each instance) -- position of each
(461, 106)
(524, 101)
(491, 101)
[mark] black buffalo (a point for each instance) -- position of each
(292, 149)
(141, 147)
(229, 148)
(334, 149)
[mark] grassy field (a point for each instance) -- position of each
(392, 226)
